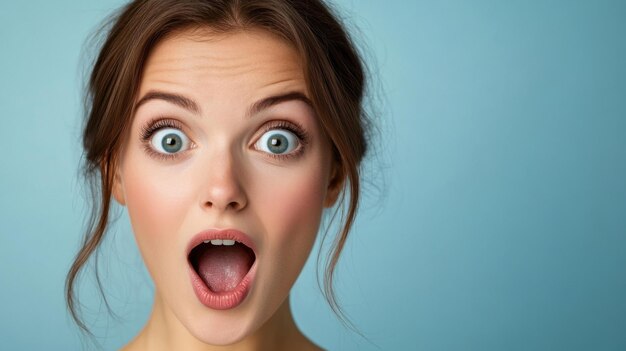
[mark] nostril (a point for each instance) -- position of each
(234, 205)
(224, 195)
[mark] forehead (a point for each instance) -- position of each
(201, 62)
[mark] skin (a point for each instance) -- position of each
(225, 180)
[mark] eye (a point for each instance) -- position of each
(278, 142)
(169, 141)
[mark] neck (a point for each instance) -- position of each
(163, 331)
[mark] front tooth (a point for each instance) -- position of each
(216, 242)
(207, 241)
(228, 242)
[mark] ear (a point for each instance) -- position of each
(118, 189)
(335, 185)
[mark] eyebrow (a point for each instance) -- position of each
(192, 106)
(175, 99)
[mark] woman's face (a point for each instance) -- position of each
(223, 138)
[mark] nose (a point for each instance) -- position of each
(223, 185)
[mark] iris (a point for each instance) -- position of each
(171, 143)
(277, 143)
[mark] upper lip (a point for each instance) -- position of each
(230, 234)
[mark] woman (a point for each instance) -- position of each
(225, 128)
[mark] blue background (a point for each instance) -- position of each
(494, 212)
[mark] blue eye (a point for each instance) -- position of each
(169, 141)
(277, 142)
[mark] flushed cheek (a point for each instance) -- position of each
(157, 206)
(291, 212)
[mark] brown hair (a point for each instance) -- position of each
(334, 74)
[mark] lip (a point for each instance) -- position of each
(229, 299)
(230, 234)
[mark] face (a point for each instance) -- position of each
(223, 138)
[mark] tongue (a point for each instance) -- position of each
(222, 267)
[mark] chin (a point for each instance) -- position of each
(221, 338)
(220, 328)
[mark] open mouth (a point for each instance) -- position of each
(221, 263)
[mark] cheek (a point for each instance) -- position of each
(291, 210)
(157, 206)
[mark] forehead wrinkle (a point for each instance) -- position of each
(242, 75)
(288, 84)
(216, 66)
(212, 54)
(196, 65)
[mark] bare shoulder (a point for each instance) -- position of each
(127, 347)
(311, 347)
(308, 345)
(132, 346)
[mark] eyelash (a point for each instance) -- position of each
(152, 127)
(294, 128)
(156, 124)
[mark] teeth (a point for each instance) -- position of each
(220, 242)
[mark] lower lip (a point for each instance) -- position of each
(224, 300)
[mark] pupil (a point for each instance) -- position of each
(278, 143)
(171, 143)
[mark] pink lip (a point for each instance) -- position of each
(224, 300)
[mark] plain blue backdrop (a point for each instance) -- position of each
(494, 215)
